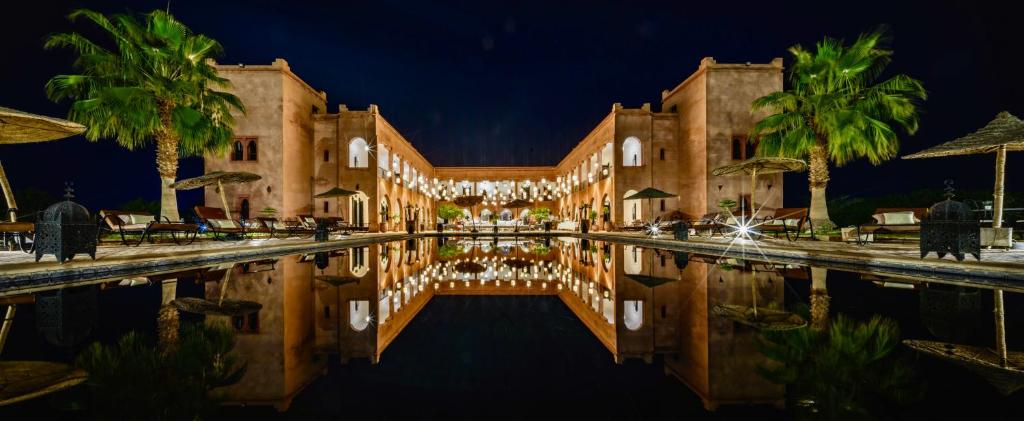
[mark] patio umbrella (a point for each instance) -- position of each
(1003, 134)
(24, 380)
(759, 318)
(219, 179)
(470, 202)
(221, 307)
(337, 280)
(760, 165)
(21, 127)
(650, 194)
(336, 192)
(517, 204)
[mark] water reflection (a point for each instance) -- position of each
(733, 331)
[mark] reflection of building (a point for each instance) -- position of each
(278, 346)
(718, 357)
(288, 137)
(638, 302)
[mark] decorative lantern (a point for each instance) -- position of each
(951, 227)
(65, 229)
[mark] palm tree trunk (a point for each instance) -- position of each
(818, 180)
(167, 165)
(167, 317)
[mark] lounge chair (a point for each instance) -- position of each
(789, 221)
(145, 225)
(711, 222)
(18, 233)
(218, 223)
(891, 221)
(284, 229)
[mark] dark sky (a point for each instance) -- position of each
(520, 83)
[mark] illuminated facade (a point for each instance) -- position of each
(288, 137)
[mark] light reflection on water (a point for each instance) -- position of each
(702, 318)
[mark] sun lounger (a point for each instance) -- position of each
(145, 225)
(284, 229)
(891, 221)
(218, 223)
(18, 233)
(712, 223)
(789, 221)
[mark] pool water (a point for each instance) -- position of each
(539, 327)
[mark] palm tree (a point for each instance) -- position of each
(149, 81)
(837, 110)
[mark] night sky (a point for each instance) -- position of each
(520, 83)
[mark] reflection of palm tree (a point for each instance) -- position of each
(849, 370)
(819, 298)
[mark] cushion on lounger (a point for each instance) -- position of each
(125, 218)
(900, 218)
(133, 227)
(793, 223)
(879, 218)
(222, 223)
(142, 219)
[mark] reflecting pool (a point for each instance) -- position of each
(511, 327)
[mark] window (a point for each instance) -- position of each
(358, 153)
(327, 155)
(631, 153)
(327, 207)
(674, 108)
(236, 151)
(662, 205)
(661, 153)
(741, 149)
(252, 154)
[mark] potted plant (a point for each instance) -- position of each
(447, 212)
(542, 215)
(727, 206)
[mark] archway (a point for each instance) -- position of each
(632, 210)
(357, 209)
(359, 314)
(358, 153)
(632, 260)
(632, 153)
(633, 314)
(243, 211)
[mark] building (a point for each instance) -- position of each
(300, 149)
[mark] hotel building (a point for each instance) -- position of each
(300, 148)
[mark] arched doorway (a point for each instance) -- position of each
(357, 209)
(632, 210)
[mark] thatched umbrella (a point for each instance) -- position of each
(221, 307)
(24, 380)
(762, 165)
(517, 204)
(1004, 133)
(21, 127)
(219, 179)
(759, 318)
(470, 202)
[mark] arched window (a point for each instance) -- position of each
(358, 153)
(358, 314)
(661, 153)
(236, 151)
(632, 259)
(327, 155)
(251, 152)
(633, 314)
(631, 152)
(382, 157)
(737, 148)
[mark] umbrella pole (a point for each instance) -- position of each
(8, 195)
(224, 286)
(753, 188)
(997, 202)
(223, 199)
(997, 295)
(6, 327)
